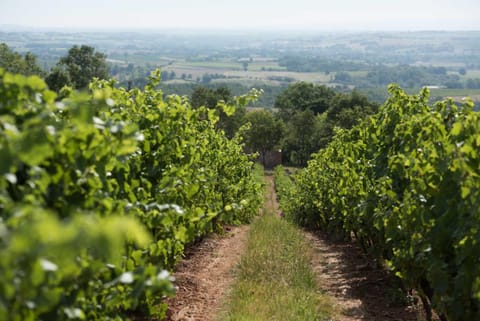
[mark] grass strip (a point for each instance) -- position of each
(275, 279)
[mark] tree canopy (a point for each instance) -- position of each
(77, 68)
(203, 96)
(14, 62)
(312, 112)
(302, 136)
(265, 133)
(302, 96)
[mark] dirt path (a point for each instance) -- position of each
(204, 278)
(359, 290)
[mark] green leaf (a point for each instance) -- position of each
(457, 129)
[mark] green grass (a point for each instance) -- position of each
(258, 172)
(275, 279)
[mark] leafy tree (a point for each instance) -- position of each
(13, 62)
(343, 77)
(265, 133)
(302, 96)
(79, 66)
(473, 83)
(302, 136)
(203, 96)
(343, 101)
(345, 111)
(210, 98)
(58, 78)
(307, 131)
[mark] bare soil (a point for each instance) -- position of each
(358, 288)
(205, 276)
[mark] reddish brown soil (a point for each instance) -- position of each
(359, 289)
(205, 276)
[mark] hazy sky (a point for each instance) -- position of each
(245, 14)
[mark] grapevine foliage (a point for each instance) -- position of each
(406, 184)
(100, 193)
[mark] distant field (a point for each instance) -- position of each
(470, 74)
(214, 65)
(261, 70)
(360, 73)
(474, 94)
(473, 74)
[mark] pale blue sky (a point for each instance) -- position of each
(245, 14)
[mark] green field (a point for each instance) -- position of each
(457, 94)
(258, 71)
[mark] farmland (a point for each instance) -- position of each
(365, 61)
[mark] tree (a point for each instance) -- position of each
(13, 62)
(301, 96)
(203, 96)
(312, 112)
(265, 133)
(349, 101)
(301, 138)
(58, 78)
(346, 110)
(80, 65)
(343, 77)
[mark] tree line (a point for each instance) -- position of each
(76, 69)
(304, 121)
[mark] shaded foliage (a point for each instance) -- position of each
(301, 96)
(312, 112)
(211, 98)
(265, 132)
(78, 68)
(16, 63)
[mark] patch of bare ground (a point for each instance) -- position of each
(205, 276)
(359, 289)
